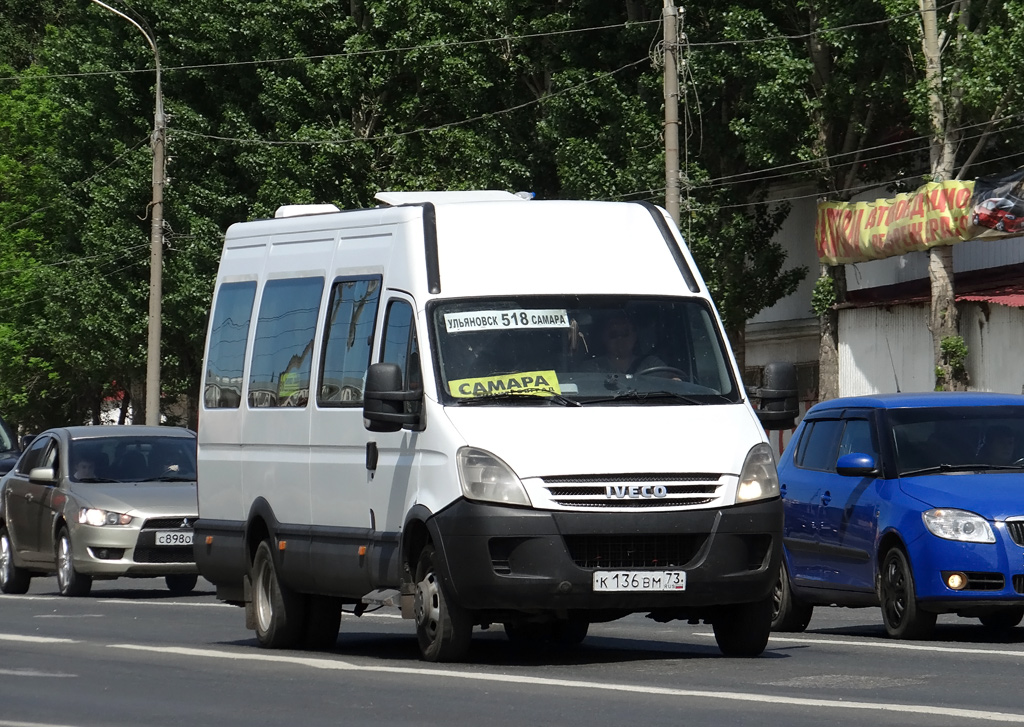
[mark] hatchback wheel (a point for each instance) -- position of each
(69, 581)
(789, 613)
(900, 611)
(12, 578)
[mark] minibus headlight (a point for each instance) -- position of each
(486, 478)
(758, 478)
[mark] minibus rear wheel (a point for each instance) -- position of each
(279, 610)
(444, 629)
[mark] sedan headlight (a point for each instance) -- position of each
(758, 478)
(94, 516)
(486, 478)
(958, 525)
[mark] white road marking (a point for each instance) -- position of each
(338, 665)
(5, 723)
(36, 639)
(34, 673)
(69, 615)
(888, 644)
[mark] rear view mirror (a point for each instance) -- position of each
(384, 400)
(856, 464)
(45, 475)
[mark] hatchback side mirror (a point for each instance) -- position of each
(856, 464)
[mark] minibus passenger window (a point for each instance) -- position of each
(348, 337)
(283, 350)
(228, 337)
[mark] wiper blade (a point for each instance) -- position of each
(643, 396)
(167, 478)
(972, 467)
(95, 479)
(532, 396)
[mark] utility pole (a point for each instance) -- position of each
(156, 262)
(670, 18)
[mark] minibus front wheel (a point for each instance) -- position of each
(444, 629)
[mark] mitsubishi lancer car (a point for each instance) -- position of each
(100, 502)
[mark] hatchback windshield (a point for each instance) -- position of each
(574, 350)
(958, 437)
(132, 459)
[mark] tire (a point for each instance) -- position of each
(279, 611)
(901, 613)
(1002, 620)
(13, 580)
(323, 621)
(444, 629)
(789, 613)
(69, 581)
(570, 632)
(181, 584)
(566, 632)
(742, 629)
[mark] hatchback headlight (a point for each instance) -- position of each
(94, 516)
(486, 478)
(958, 525)
(758, 478)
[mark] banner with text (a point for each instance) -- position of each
(939, 213)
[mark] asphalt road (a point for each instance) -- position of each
(130, 654)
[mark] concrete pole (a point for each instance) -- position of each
(156, 263)
(670, 17)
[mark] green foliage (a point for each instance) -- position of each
(954, 354)
(824, 295)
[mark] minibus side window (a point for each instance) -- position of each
(228, 337)
(282, 355)
(400, 347)
(348, 339)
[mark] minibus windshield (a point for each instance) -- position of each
(580, 349)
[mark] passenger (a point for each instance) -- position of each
(618, 339)
(85, 470)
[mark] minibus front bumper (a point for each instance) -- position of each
(502, 558)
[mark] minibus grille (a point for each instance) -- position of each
(644, 490)
(634, 551)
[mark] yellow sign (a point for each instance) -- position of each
(525, 382)
(939, 213)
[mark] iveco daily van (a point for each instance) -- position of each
(483, 410)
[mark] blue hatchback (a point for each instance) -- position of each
(911, 502)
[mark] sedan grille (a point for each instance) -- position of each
(641, 490)
(146, 549)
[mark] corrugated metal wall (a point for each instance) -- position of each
(880, 346)
(994, 335)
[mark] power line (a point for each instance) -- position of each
(399, 134)
(351, 54)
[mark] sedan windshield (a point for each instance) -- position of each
(578, 350)
(958, 438)
(132, 459)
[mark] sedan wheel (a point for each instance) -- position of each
(900, 612)
(12, 578)
(69, 581)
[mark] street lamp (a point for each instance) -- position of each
(155, 238)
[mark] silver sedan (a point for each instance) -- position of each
(100, 502)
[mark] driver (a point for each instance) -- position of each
(618, 340)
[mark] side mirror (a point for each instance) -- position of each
(856, 464)
(384, 400)
(778, 407)
(45, 475)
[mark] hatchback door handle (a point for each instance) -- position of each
(826, 498)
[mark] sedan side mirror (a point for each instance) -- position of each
(44, 475)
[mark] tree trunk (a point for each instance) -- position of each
(828, 346)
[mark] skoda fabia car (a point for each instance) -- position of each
(100, 502)
(911, 502)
